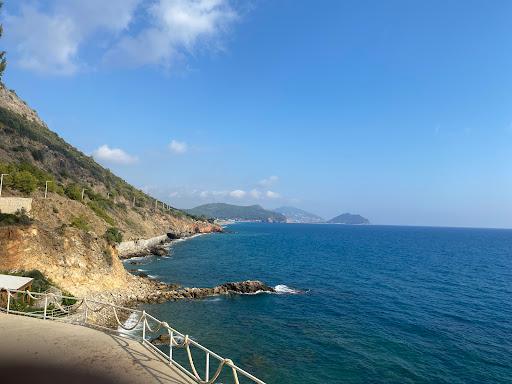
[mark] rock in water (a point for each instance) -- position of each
(248, 286)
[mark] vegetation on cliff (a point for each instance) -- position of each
(18, 218)
(71, 234)
(237, 212)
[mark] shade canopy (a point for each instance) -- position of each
(14, 282)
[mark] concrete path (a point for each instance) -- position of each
(56, 352)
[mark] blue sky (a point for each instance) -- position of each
(397, 110)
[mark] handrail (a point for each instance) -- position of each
(83, 309)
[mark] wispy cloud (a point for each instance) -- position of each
(133, 33)
(272, 195)
(255, 194)
(113, 155)
(48, 40)
(238, 194)
(178, 147)
(176, 28)
(269, 181)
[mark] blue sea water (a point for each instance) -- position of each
(384, 304)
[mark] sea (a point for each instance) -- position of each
(355, 304)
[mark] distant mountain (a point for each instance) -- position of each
(237, 212)
(348, 218)
(296, 215)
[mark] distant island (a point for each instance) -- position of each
(225, 211)
(348, 218)
(296, 215)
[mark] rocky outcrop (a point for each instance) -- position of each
(162, 292)
(141, 247)
(158, 245)
(11, 101)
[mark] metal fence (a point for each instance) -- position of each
(50, 306)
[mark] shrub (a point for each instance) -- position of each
(80, 222)
(37, 154)
(24, 181)
(113, 236)
(73, 191)
(40, 283)
(100, 212)
(19, 218)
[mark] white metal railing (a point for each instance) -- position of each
(82, 311)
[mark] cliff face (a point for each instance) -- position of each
(66, 240)
(76, 261)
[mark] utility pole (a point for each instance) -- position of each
(2, 181)
(46, 188)
(133, 203)
(83, 191)
(156, 204)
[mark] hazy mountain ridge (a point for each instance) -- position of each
(237, 212)
(297, 215)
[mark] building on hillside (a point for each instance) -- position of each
(9, 282)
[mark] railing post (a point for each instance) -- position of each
(8, 299)
(45, 306)
(207, 366)
(143, 326)
(170, 347)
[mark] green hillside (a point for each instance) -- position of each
(31, 154)
(236, 212)
(348, 218)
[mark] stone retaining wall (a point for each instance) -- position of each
(13, 204)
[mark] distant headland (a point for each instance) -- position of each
(292, 215)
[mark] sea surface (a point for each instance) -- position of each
(381, 304)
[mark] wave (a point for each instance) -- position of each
(282, 289)
(186, 238)
(130, 322)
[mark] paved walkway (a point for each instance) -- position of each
(49, 351)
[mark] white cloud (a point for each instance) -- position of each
(255, 194)
(176, 28)
(178, 147)
(48, 40)
(237, 193)
(269, 181)
(113, 155)
(130, 33)
(272, 195)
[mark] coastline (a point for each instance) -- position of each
(158, 245)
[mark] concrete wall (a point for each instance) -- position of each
(136, 246)
(13, 204)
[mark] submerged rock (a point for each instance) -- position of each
(163, 339)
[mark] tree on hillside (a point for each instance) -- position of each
(3, 61)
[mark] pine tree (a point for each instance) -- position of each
(3, 61)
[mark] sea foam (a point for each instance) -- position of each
(282, 289)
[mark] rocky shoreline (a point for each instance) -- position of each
(143, 290)
(158, 245)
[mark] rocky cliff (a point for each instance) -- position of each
(66, 239)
